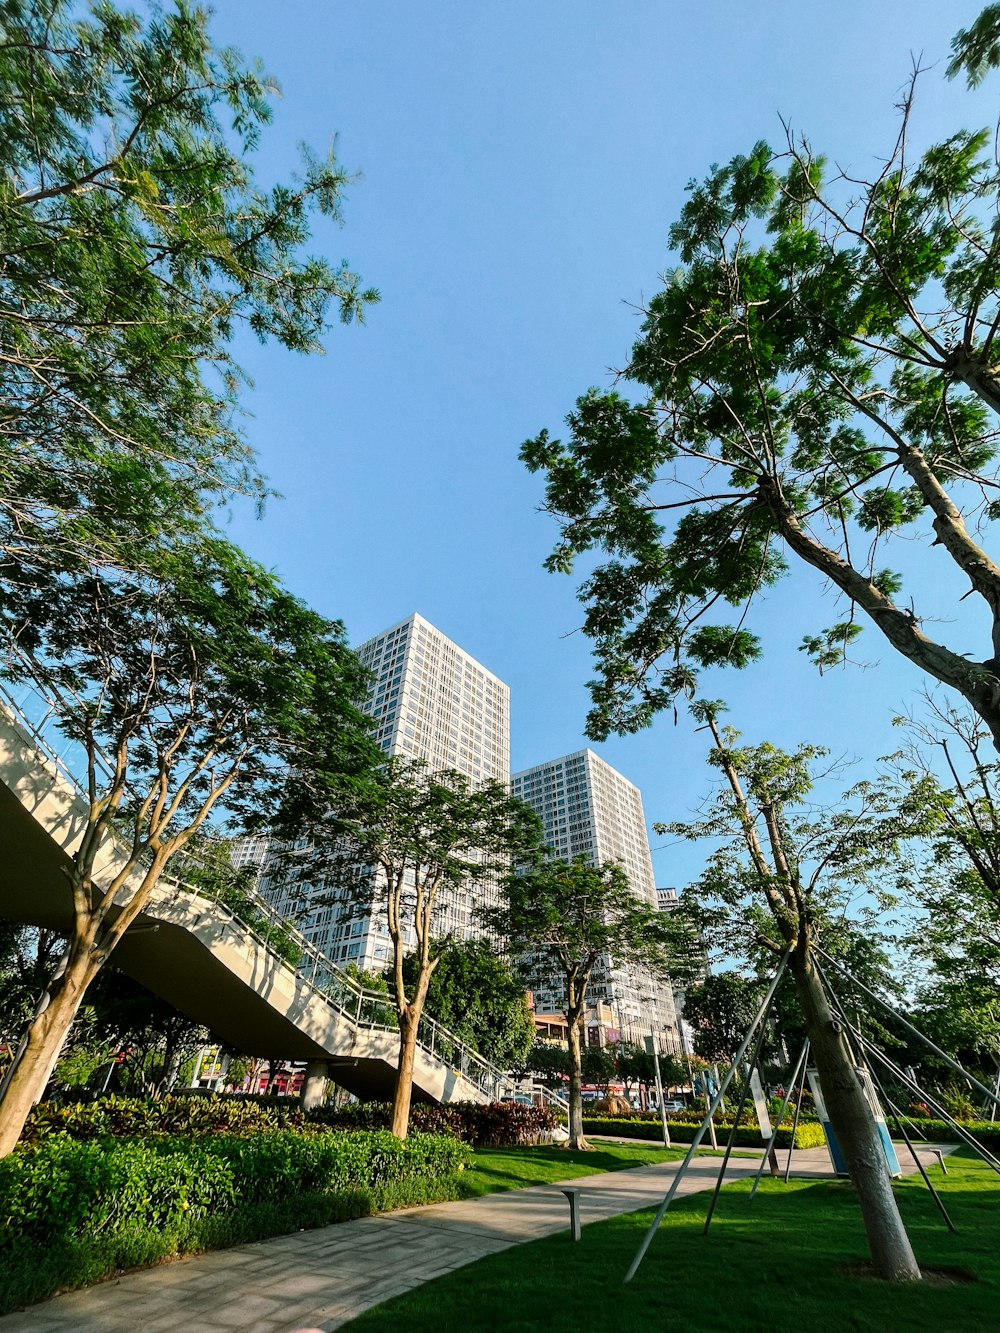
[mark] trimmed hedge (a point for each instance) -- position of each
(73, 1212)
(496, 1125)
(939, 1131)
(809, 1133)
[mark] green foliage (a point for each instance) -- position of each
(170, 1116)
(815, 379)
(406, 839)
(478, 996)
(497, 1124)
(494, 1125)
(560, 917)
(64, 1187)
(782, 870)
(720, 1009)
(808, 1134)
(135, 242)
(75, 1212)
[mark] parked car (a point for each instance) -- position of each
(673, 1105)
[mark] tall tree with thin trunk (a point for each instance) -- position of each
(408, 847)
(202, 691)
(561, 917)
(783, 874)
(818, 378)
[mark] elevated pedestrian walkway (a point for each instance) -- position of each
(194, 952)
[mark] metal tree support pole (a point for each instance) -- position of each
(757, 1048)
(963, 1134)
(798, 1112)
(866, 1045)
(781, 1115)
(953, 1064)
(838, 1009)
(651, 1046)
(696, 1141)
(913, 1153)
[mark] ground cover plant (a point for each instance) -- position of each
(792, 1258)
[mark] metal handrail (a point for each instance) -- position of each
(321, 972)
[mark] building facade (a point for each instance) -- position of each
(432, 701)
(589, 809)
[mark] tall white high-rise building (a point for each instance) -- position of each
(431, 701)
(589, 809)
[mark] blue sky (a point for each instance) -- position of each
(521, 164)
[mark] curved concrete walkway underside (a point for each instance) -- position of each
(194, 953)
(323, 1278)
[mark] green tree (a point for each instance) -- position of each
(560, 918)
(27, 956)
(413, 843)
(784, 873)
(126, 1017)
(549, 1062)
(134, 243)
(478, 996)
(720, 1009)
(202, 692)
(817, 378)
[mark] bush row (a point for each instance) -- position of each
(809, 1133)
(987, 1132)
(140, 1117)
(72, 1212)
(497, 1125)
(66, 1187)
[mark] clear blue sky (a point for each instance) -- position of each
(520, 166)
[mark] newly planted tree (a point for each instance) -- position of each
(561, 918)
(818, 377)
(411, 846)
(201, 692)
(783, 875)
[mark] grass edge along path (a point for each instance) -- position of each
(30, 1273)
(789, 1259)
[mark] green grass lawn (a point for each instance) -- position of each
(513, 1168)
(776, 1263)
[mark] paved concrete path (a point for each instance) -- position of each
(323, 1278)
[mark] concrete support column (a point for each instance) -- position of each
(315, 1084)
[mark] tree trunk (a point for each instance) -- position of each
(576, 1139)
(44, 1040)
(855, 1127)
(408, 1025)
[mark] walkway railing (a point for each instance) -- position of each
(38, 712)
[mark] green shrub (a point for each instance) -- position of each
(986, 1132)
(134, 1117)
(809, 1133)
(65, 1187)
(30, 1272)
(494, 1125)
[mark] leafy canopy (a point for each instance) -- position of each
(134, 241)
(818, 375)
